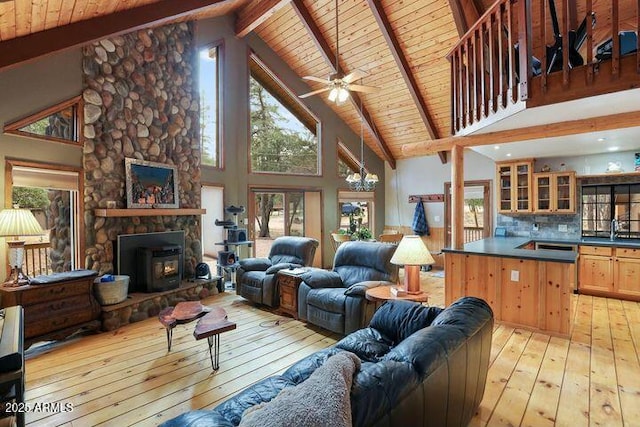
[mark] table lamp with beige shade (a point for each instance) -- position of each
(412, 253)
(16, 222)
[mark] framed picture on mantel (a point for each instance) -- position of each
(151, 184)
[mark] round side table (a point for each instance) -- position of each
(383, 293)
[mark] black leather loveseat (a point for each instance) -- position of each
(420, 366)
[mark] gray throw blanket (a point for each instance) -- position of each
(323, 400)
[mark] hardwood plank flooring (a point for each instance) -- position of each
(127, 377)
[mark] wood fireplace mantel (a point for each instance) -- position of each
(111, 213)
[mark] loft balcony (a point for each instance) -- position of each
(488, 86)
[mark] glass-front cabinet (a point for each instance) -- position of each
(514, 186)
(554, 192)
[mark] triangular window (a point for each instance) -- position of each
(59, 123)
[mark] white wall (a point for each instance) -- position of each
(426, 175)
(591, 164)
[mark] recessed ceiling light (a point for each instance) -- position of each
(602, 139)
(508, 154)
(496, 147)
(613, 148)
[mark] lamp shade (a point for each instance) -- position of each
(412, 251)
(19, 222)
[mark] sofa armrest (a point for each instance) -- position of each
(318, 278)
(360, 289)
(255, 264)
(282, 266)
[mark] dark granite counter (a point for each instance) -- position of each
(510, 247)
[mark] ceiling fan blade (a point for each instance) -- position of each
(315, 92)
(315, 79)
(352, 77)
(365, 89)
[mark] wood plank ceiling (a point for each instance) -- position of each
(425, 31)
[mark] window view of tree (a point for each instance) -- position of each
(209, 111)
(279, 141)
(58, 123)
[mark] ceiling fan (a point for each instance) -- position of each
(339, 86)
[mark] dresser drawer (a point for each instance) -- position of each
(287, 280)
(53, 323)
(628, 252)
(596, 250)
(45, 293)
(57, 307)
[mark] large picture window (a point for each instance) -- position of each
(284, 134)
(601, 204)
(209, 64)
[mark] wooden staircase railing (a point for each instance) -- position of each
(492, 76)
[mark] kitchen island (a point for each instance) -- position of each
(524, 287)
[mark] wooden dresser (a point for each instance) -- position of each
(54, 310)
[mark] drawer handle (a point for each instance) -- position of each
(56, 291)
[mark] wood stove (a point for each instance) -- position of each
(160, 268)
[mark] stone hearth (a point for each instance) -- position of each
(141, 306)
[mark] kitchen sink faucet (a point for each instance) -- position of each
(614, 229)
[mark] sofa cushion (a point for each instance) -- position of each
(396, 320)
(327, 299)
(366, 343)
(321, 400)
(199, 418)
(262, 391)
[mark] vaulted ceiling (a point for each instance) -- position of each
(400, 44)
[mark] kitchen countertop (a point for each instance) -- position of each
(510, 247)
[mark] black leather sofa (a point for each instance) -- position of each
(335, 300)
(421, 366)
(256, 277)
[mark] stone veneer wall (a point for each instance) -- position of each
(140, 101)
(59, 224)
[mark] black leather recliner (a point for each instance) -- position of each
(256, 277)
(335, 300)
(421, 366)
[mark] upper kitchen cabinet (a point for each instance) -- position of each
(514, 180)
(554, 192)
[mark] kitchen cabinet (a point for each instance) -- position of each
(626, 272)
(554, 192)
(609, 271)
(514, 180)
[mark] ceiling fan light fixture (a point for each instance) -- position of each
(343, 95)
(333, 95)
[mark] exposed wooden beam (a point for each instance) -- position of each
(405, 69)
(465, 14)
(403, 65)
(255, 13)
(571, 127)
(457, 197)
(329, 56)
(32, 46)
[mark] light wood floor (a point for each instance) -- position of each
(127, 377)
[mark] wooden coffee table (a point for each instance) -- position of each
(183, 312)
(383, 293)
(210, 327)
